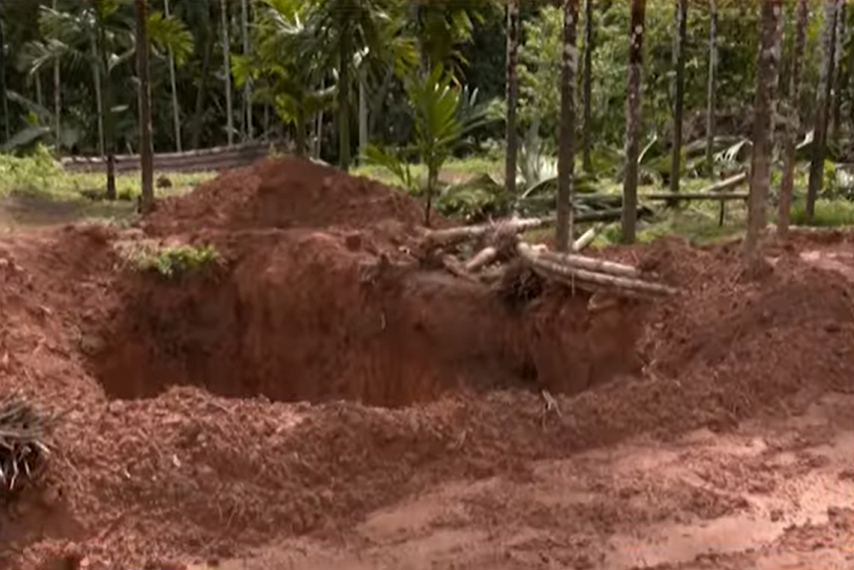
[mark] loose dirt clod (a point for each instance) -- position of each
(187, 434)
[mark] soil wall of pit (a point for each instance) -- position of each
(320, 298)
(300, 316)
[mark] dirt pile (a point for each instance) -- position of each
(304, 312)
(286, 193)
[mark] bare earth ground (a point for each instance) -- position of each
(320, 401)
(771, 495)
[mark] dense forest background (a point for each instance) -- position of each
(65, 59)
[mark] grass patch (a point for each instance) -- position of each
(168, 261)
(39, 175)
(828, 214)
(455, 170)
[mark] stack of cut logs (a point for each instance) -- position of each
(499, 244)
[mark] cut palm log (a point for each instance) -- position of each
(587, 237)
(592, 264)
(481, 259)
(549, 268)
(685, 196)
(450, 236)
(726, 184)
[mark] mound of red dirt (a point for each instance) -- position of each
(286, 193)
(296, 312)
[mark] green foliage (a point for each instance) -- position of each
(28, 174)
(172, 261)
(828, 213)
(442, 115)
(170, 35)
(39, 175)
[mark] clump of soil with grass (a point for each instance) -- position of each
(316, 371)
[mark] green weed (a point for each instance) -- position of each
(171, 261)
(828, 213)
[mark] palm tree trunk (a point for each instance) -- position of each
(587, 85)
(512, 99)
(633, 121)
(375, 110)
(4, 103)
(301, 133)
(793, 127)
(679, 63)
(345, 60)
(39, 90)
(176, 110)
(825, 81)
(836, 113)
(710, 89)
(363, 116)
(198, 115)
(99, 98)
(146, 151)
(767, 77)
(266, 120)
(566, 150)
(318, 137)
(108, 134)
(226, 68)
(247, 87)
(57, 99)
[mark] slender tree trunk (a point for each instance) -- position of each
(199, 113)
(37, 78)
(226, 68)
(432, 182)
(108, 130)
(301, 133)
(566, 154)
(57, 99)
(176, 110)
(633, 121)
(247, 87)
(363, 115)
(825, 81)
(767, 77)
(587, 85)
(318, 139)
(512, 90)
(839, 42)
(710, 89)
(375, 110)
(97, 62)
(4, 104)
(679, 63)
(345, 60)
(146, 151)
(793, 127)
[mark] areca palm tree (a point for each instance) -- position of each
(146, 151)
(442, 25)
(344, 28)
(287, 71)
(98, 37)
(4, 104)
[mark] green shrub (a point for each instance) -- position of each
(171, 261)
(828, 213)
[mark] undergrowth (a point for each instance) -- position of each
(39, 175)
(170, 261)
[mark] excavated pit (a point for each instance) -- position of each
(294, 318)
(320, 299)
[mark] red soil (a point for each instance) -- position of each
(314, 303)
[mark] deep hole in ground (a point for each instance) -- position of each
(293, 318)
